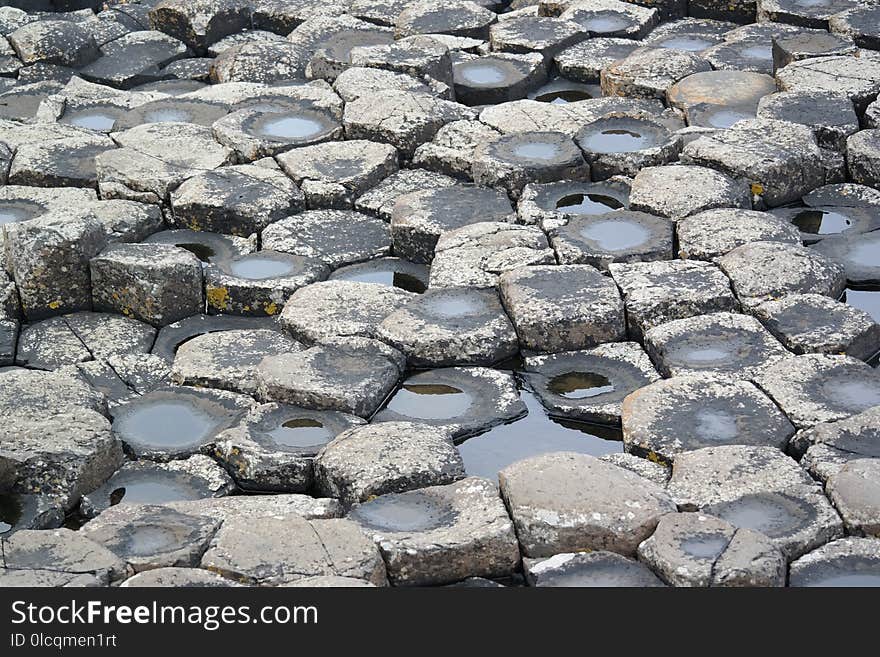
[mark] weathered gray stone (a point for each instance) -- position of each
(547, 36)
(712, 233)
(845, 562)
(337, 237)
(476, 254)
(441, 534)
(272, 449)
(562, 308)
(454, 326)
(693, 549)
(497, 77)
(177, 578)
(202, 23)
(333, 175)
(144, 482)
(58, 557)
(855, 492)
(462, 400)
(682, 190)
(353, 376)
(658, 292)
(760, 271)
(236, 200)
(456, 17)
(590, 385)
(567, 502)
(282, 549)
(389, 457)
(155, 283)
(553, 205)
(585, 61)
(514, 160)
(380, 200)
(722, 344)
(418, 219)
(588, 569)
(54, 42)
(612, 18)
(340, 309)
(827, 446)
(859, 23)
(857, 77)
(757, 488)
(830, 115)
(649, 72)
(672, 416)
(148, 537)
(807, 323)
(863, 157)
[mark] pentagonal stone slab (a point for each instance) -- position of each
(817, 388)
(723, 344)
(401, 118)
(462, 400)
(352, 377)
(830, 115)
(155, 283)
(259, 506)
(64, 162)
(476, 254)
(357, 81)
(283, 549)
(457, 17)
(588, 569)
(856, 253)
(200, 24)
(562, 308)
(259, 283)
(855, 492)
(62, 455)
(172, 336)
(684, 413)
(449, 327)
(807, 323)
(134, 59)
(863, 157)
(337, 237)
(513, 160)
(44, 555)
(148, 537)
(747, 54)
(441, 534)
(237, 200)
(683, 190)
(496, 78)
(857, 77)
(419, 218)
(269, 61)
(757, 488)
(380, 200)
(228, 359)
(143, 482)
(547, 36)
(333, 175)
(799, 13)
(859, 23)
(707, 235)
(272, 449)
(847, 562)
(54, 42)
(389, 457)
(693, 549)
(425, 57)
(779, 160)
(763, 270)
(623, 236)
(612, 18)
(585, 61)
(33, 394)
(590, 385)
(657, 292)
(827, 446)
(48, 257)
(806, 44)
(566, 502)
(649, 72)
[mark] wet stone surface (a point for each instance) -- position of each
(550, 293)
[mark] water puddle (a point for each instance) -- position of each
(844, 579)
(689, 43)
(605, 23)
(454, 305)
(867, 299)
(536, 151)
(391, 272)
(300, 432)
(258, 267)
(167, 115)
(93, 119)
(611, 235)
(201, 251)
(821, 222)
(15, 211)
(535, 433)
(480, 73)
(771, 514)
(150, 488)
(716, 425)
(289, 127)
(587, 204)
(145, 540)
(430, 401)
(705, 546)
(580, 385)
(166, 423)
(410, 512)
